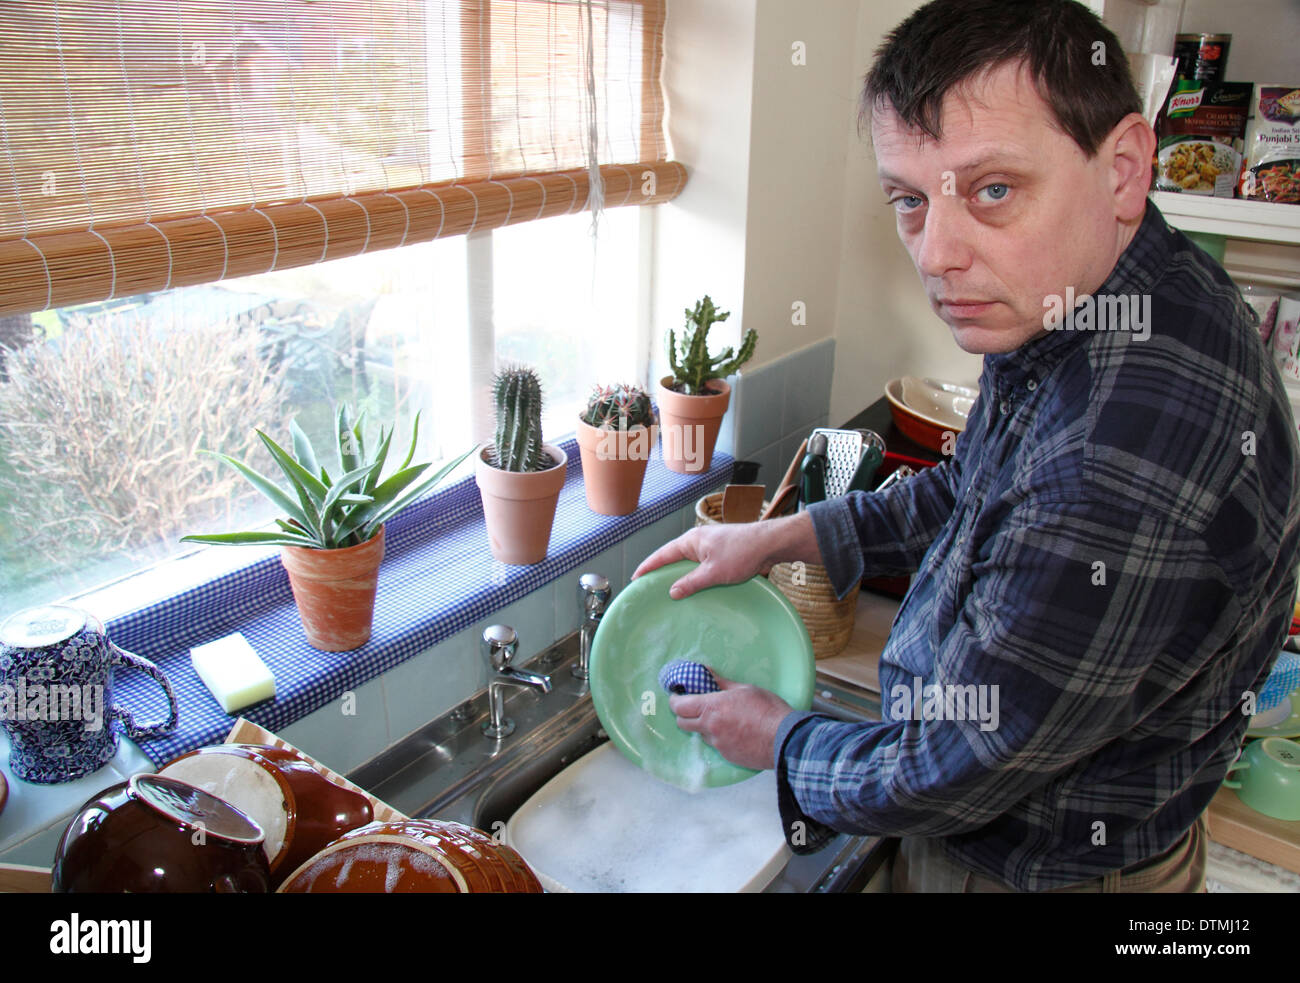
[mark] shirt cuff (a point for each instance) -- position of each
(803, 834)
(838, 542)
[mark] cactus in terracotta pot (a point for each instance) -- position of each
(693, 367)
(615, 435)
(618, 408)
(518, 476)
(518, 395)
(694, 399)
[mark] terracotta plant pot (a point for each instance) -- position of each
(519, 507)
(613, 466)
(689, 425)
(335, 591)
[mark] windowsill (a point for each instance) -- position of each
(438, 577)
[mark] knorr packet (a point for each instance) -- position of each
(1201, 136)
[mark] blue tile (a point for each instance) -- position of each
(807, 386)
(726, 442)
(762, 399)
(345, 732)
(38, 850)
(533, 619)
(645, 541)
(771, 466)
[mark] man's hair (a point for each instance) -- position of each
(1075, 61)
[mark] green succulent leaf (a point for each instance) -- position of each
(249, 538)
(268, 488)
(303, 449)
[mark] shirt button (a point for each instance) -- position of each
(1031, 385)
(1004, 407)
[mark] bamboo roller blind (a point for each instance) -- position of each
(151, 144)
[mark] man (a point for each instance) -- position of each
(1109, 555)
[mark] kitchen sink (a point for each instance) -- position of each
(449, 770)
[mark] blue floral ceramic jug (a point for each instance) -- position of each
(56, 694)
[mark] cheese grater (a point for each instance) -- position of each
(843, 452)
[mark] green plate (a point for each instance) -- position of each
(747, 632)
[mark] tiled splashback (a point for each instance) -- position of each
(777, 406)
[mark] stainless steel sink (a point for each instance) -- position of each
(448, 770)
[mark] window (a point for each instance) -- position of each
(345, 148)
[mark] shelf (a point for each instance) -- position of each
(1231, 217)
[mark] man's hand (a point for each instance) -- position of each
(730, 554)
(741, 721)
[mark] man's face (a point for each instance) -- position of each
(1000, 213)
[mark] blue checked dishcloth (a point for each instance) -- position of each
(1284, 678)
(685, 677)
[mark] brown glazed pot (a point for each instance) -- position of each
(155, 835)
(413, 856)
(613, 467)
(300, 810)
(688, 425)
(519, 507)
(335, 591)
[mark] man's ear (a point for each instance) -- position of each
(1130, 146)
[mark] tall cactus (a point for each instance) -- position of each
(518, 395)
(696, 367)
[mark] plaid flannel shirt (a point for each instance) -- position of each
(1101, 570)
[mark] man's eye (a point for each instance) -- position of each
(995, 192)
(907, 203)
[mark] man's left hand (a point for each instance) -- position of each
(741, 721)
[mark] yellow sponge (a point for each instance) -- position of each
(233, 672)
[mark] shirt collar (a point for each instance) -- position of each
(1135, 272)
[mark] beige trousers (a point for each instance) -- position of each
(921, 866)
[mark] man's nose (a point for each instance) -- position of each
(945, 240)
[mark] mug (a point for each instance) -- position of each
(157, 835)
(1271, 784)
(56, 694)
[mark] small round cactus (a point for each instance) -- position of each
(618, 408)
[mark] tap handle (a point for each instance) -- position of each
(593, 595)
(499, 645)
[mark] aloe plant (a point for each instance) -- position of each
(618, 408)
(691, 363)
(518, 395)
(327, 512)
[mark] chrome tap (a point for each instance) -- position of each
(593, 596)
(499, 646)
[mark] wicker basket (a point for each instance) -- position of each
(829, 621)
(708, 510)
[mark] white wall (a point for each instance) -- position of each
(885, 326)
(783, 203)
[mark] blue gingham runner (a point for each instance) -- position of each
(683, 676)
(438, 577)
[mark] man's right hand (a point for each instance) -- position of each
(730, 554)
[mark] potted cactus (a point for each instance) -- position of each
(693, 400)
(615, 438)
(519, 478)
(333, 537)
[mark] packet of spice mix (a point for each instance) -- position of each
(1273, 146)
(1201, 137)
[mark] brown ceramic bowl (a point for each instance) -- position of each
(300, 809)
(423, 855)
(154, 834)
